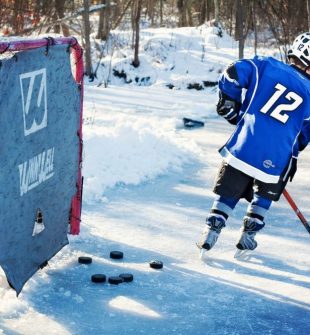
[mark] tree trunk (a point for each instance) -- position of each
(18, 20)
(150, 11)
(208, 9)
(239, 27)
(60, 13)
(101, 22)
(308, 10)
(254, 28)
(217, 11)
(203, 12)
(161, 7)
(106, 26)
(181, 4)
(136, 25)
(189, 13)
(88, 64)
(120, 17)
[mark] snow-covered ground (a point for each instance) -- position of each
(147, 192)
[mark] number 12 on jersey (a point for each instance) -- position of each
(277, 112)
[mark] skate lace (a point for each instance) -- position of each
(252, 225)
(215, 224)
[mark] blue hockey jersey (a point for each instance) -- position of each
(273, 120)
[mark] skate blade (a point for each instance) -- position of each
(202, 251)
(243, 254)
(202, 254)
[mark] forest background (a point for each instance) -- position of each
(271, 23)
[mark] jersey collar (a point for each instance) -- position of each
(301, 71)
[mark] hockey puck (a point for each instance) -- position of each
(85, 260)
(98, 278)
(116, 254)
(190, 123)
(115, 280)
(156, 264)
(127, 277)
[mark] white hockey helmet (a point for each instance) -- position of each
(301, 48)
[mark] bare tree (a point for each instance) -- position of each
(18, 18)
(181, 4)
(104, 25)
(243, 23)
(59, 14)
(121, 14)
(189, 13)
(203, 12)
(255, 27)
(308, 11)
(161, 12)
(239, 27)
(137, 6)
(100, 34)
(217, 10)
(88, 63)
(283, 18)
(151, 11)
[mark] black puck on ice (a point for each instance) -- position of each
(98, 278)
(190, 123)
(156, 264)
(115, 280)
(128, 277)
(116, 254)
(85, 260)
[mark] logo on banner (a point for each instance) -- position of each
(36, 170)
(34, 100)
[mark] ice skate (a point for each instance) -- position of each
(210, 234)
(247, 242)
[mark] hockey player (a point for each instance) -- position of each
(272, 127)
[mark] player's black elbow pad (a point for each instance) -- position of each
(232, 72)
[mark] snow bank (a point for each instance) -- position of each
(132, 152)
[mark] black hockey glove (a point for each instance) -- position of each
(228, 108)
(293, 169)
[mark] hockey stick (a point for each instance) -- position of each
(296, 210)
